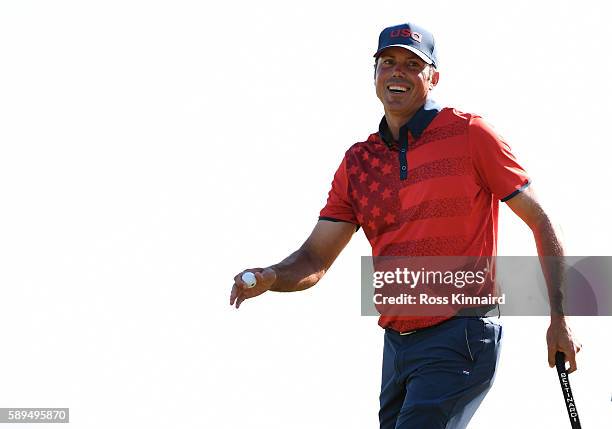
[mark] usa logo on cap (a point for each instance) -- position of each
(412, 37)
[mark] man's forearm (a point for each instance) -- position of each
(298, 271)
(552, 260)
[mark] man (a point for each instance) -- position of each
(428, 182)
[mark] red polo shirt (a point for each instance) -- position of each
(434, 192)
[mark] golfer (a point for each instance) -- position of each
(428, 182)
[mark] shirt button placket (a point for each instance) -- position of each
(402, 155)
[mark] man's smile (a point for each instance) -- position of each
(398, 88)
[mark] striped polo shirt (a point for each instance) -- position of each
(435, 192)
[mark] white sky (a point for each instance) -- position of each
(152, 150)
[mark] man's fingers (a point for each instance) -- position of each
(551, 357)
(570, 356)
(234, 294)
(237, 289)
(243, 294)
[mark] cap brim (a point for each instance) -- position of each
(412, 49)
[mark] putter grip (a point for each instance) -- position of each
(568, 396)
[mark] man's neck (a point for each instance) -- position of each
(395, 122)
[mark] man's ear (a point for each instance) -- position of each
(434, 79)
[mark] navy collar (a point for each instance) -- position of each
(416, 125)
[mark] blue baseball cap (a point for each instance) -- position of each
(412, 37)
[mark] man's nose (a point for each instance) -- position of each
(398, 71)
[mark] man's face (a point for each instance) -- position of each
(403, 80)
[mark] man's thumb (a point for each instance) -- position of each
(266, 276)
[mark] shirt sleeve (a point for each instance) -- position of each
(496, 168)
(338, 207)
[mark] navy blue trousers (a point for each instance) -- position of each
(435, 378)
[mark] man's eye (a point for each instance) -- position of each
(387, 62)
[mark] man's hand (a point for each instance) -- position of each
(265, 279)
(303, 268)
(560, 338)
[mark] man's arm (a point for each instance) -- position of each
(303, 268)
(550, 250)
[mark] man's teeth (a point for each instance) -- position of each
(394, 88)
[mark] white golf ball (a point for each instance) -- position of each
(249, 279)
